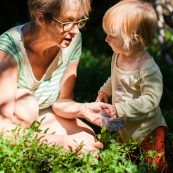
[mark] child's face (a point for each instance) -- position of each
(116, 43)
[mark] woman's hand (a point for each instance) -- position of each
(102, 96)
(90, 111)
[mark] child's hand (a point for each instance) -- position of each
(112, 111)
(102, 97)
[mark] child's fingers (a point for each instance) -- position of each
(98, 99)
(105, 99)
(112, 112)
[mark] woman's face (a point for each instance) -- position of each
(55, 31)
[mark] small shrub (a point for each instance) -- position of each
(25, 154)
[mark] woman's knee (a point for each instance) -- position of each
(85, 127)
(62, 126)
(27, 109)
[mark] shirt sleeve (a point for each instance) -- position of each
(107, 87)
(151, 88)
(7, 44)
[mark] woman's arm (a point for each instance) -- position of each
(66, 107)
(8, 86)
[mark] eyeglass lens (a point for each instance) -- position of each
(69, 26)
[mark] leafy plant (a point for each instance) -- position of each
(25, 154)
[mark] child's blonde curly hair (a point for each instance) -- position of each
(135, 21)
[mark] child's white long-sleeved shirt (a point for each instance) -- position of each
(136, 96)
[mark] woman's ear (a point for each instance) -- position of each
(38, 18)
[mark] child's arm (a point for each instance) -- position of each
(105, 91)
(102, 96)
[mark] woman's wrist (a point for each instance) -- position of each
(82, 108)
(68, 108)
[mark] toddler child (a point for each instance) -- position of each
(135, 83)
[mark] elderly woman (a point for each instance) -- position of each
(38, 68)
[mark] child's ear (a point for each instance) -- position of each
(38, 18)
(135, 39)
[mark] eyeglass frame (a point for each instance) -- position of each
(65, 23)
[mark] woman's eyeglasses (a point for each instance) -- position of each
(67, 26)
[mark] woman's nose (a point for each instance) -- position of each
(75, 29)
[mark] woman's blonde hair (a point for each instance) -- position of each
(56, 8)
(135, 21)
